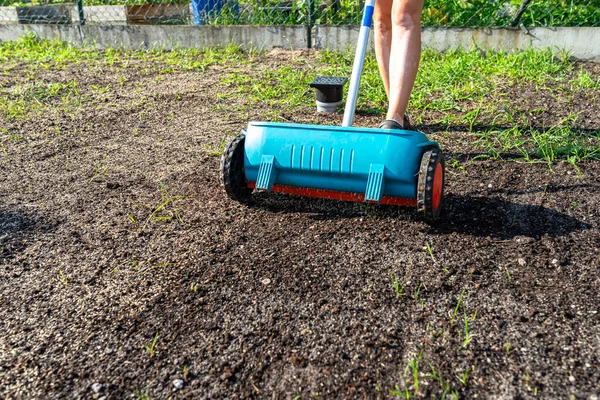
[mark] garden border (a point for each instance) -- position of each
(578, 42)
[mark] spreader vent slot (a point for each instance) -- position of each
(375, 183)
(266, 173)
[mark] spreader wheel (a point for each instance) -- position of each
(430, 189)
(233, 176)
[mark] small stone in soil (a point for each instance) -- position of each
(97, 387)
(266, 281)
(524, 239)
(178, 383)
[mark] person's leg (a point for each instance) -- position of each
(405, 54)
(382, 35)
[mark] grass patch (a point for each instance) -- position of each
(283, 86)
(22, 100)
(56, 54)
(584, 80)
(31, 94)
(472, 89)
(541, 145)
(446, 81)
(151, 349)
(159, 212)
(33, 50)
(465, 87)
(416, 375)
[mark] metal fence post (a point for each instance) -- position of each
(519, 13)
(310, 23)
(80, 11)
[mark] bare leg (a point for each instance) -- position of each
(398, 50)
(383, 39)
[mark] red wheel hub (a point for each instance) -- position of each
(438, 184)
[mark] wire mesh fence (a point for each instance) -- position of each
(294, 12)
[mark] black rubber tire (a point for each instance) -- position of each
(429, 162)
(233, 175)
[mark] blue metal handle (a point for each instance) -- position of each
(359, 60)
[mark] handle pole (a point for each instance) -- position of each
(359, 60)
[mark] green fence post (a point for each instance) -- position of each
(310, 23)
(80, 11)
(519, 13)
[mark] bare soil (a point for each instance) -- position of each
(286, 296)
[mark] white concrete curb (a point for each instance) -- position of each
(580, 43)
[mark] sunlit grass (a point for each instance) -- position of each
(472, 89)
(55, 54)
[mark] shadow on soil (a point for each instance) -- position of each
(14, 221)
(483, 216)
(14, 228)
(479, 216)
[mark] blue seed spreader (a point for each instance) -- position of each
(384, 166)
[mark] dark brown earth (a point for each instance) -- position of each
(286, 296)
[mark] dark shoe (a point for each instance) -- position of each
(392, 124)
(406, 122)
